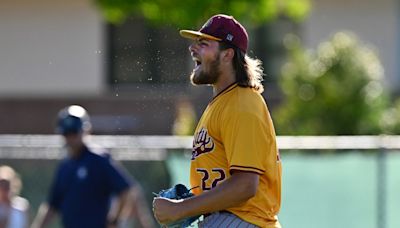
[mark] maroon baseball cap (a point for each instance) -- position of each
(221, 28)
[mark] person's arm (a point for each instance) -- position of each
(132, 199)
(140, 208)
(239, 188)
(131, 202)
(44, 216)
(116, 214)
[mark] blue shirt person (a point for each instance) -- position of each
(86, 181)
(82, 189)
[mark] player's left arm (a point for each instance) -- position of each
(45, 216)
(140, 209)
(129, 203)
(237, 189)
(120, 183)
(116, 213)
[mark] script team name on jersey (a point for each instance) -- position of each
(202, 143)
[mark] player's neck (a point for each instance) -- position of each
(76, 151)
(225, 80)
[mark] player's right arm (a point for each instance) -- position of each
(237, 189)
(44, 216)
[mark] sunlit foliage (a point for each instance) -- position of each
(335, 90)
(190, 13)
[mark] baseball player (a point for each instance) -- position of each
(235, 164)
(86, 181)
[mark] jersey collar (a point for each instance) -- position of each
(224, 91)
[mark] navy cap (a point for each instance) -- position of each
(73, 119)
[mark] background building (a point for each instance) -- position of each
(131, 76)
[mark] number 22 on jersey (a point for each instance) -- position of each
(216, 175)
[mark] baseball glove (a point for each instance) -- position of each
(179, 191)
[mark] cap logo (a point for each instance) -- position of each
(229, 37)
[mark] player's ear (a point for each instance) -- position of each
(228, 54)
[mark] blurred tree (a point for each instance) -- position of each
(188, 13)
(336, 90)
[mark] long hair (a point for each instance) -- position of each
(249, 71)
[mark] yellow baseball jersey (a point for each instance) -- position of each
(236, 132)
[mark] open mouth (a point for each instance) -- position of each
(197, 61)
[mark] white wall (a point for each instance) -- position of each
(375, 22)
(50, 48)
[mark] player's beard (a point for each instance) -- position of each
(208, 77)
